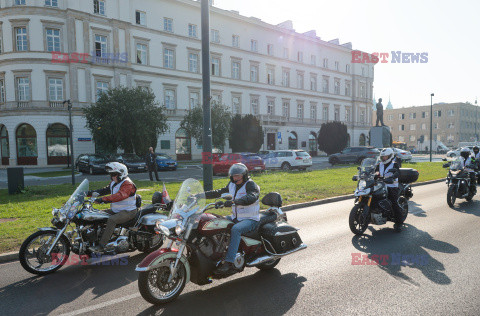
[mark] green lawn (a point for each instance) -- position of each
(51, 174)
(32, 209)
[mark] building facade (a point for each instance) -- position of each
(452, 123)
(54, 50)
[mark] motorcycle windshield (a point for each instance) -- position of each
(190, 196)
(78, 195)
(457, 164)
(368, 165)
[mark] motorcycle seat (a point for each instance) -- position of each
(265, 218)
(147, 209)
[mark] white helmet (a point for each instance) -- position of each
(386, 152)
(118, 168)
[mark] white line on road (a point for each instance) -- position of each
(102, 305)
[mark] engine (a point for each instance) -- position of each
(215, 246)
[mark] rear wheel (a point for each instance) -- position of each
(286, 166)
(334, 161)
(451, 196)
(358, 223)
(268, 265)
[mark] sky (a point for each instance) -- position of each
(447, 30)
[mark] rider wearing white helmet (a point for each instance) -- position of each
(245, 213)
(122, 198)
(388, 168)
(469, 165)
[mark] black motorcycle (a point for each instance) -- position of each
(78, 226)
(371, 196)
(459, 182)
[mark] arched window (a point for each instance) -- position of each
(57, 144)
(183, 145)
(26, 145)
(362, 140)
(312, 143)
(4, 146)
(292, 140)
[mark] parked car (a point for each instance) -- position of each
(456, 152)
(251, 160)
(405, 155)
(264, 153)
(353, 155)
(288, 159)
(165, 162)
(132, 161)
(91, 163)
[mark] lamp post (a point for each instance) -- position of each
(476, 120)
(71, 139)
(431, 124)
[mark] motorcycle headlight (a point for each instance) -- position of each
(362, 184)
(179, 229)
(162, 228)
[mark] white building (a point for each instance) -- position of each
(293, 82)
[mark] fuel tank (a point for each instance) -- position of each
(210, 225)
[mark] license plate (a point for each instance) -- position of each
(305, 160)
(257, 168)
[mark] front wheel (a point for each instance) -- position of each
(451, 196)
(286, 166)
(268, 265)
(33, 253)
(154, 285)
(357, 221)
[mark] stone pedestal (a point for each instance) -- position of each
(380, 136)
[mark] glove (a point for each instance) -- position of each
(228, 203)
(98, 200)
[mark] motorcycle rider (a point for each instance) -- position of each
(467, 161)
(245, 213)
(383, 169)
(476, 158)
(122, 198)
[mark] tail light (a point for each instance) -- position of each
(298, 158)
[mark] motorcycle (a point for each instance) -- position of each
(459, 181)
(371, 196)
(78, 226)
(202, 241)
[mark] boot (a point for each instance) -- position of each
(226, 268)
(397, 227)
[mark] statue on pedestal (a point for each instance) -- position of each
(379, 113)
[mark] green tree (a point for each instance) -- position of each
(126, 118)
(221, 118)
(246, 134)
(332, 137)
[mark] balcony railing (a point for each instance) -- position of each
(176, 112)
(23, 104)
(56, 104)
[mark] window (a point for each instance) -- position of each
(363, 72)
(362, 91)
(413, 115)
(253, 46)
(19, 2)
(437, 114)
(100, 45)
(313, 60)
(215, 66)
(53, 40)
(347, 115)
(235, 69)
(451, 125)
(170, 99)
(286, 77)
(300, 111)
(401, 127)
(401, 116)
(254, 105)
(193, 99)
(325, 63)
(254, 73)
(215, 35)
(236, 108)
(193, 62)
(23, 89)
(192, 30)
(271, 107)
(235, 40)
(451, 112)
(390, 117)
(51, 3)
(168, 25)
(286, 109)
(285, 53)
(362, 116)
(413, 127)
(424, 126)
(436, 125)
(401, 138)
(313, 82)
(300, 80)
(270, 49)
(412, 138)
(102, 87)
(347, 69)
(99, 7)
(169, 58)
(347, 89)
(2, 91)
(337, 86)
(140, 18)
(21, 39)
(336, 114)
(141, 54)
(325, 85)
(55, 89)
(325, 113)
(337, 65)
(313, 111)
(300, 57)
(270, 75)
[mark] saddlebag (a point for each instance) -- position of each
(280, 238)
(407, 175)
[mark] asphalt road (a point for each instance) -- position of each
(320, 280)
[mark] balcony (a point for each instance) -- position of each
(23, 104)
(56, 104)
(176, 112)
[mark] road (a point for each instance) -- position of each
(320, 280)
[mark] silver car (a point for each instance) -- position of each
(405, 155)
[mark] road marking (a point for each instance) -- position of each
(102, 305)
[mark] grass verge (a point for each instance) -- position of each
(32, 209)
(51, 174)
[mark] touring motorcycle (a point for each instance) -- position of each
(459, 182)
(78, 226)
(202, 240)
(371, 196)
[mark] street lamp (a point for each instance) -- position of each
(476, 120)
(71, 138)
(431, 124)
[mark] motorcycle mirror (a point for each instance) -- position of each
(358, 168)
(444, 159)
(227, 196)
(355, 178)
(446, 165)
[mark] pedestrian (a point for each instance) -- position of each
(151, 160)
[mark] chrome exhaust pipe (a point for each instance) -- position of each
(266, 258)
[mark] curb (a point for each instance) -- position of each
(13, 256)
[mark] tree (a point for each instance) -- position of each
(332, 137)
(246, 134)
(221, 119)
(126, 118)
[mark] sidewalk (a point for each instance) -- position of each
(31, 171)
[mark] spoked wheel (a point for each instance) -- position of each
(451, 196)
(33, 253)
(358, 223)
(403, 202)
(154, 285)
(268, 265)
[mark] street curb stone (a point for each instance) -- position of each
(13, 256)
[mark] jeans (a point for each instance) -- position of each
(393, 195)
(116, 218)
(241, 227)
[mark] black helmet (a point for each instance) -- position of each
(157, 198)
(465, 152)
(238, 168)
(475, 149)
